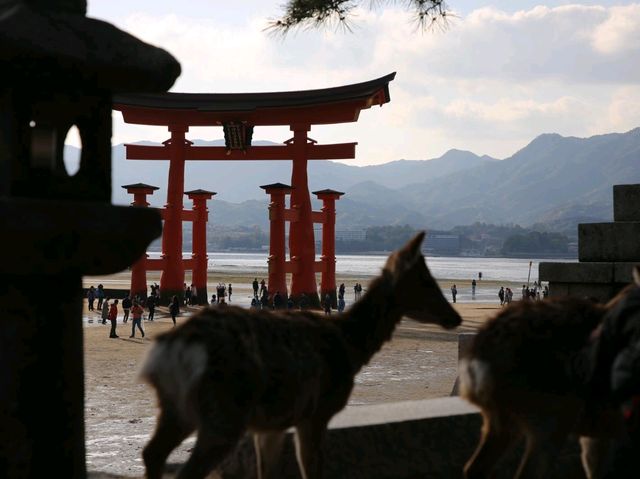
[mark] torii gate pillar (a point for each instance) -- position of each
(328, 259)
(277, 259)
(172, 277)
(199, 236)
(301, 239)
(139, 268)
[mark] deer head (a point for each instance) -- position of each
(414, 289)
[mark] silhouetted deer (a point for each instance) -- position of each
(531, 369)
(228, 371)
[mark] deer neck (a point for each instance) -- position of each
(370, 322)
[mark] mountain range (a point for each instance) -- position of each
(554, 182)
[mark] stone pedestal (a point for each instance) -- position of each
(607, 252)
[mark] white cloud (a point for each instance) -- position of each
(509, 110)
(624, 109)
(620, 33)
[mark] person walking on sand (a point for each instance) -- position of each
(100, 295)
(229, 291)
(303, 303)
(277, 300)
(126, 307)
(327, 304)
(508, 296)
(341, 303)
(105, 310)
(113, 317)
(91, 297)
(151, 305)
(501, 295)
(136, 315)
(473, 288)
(454, 292)
(255, 287)
(174, 309)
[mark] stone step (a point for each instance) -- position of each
(617, 242)
(626, 203)
(597, 280)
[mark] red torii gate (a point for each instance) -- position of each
(238, 114)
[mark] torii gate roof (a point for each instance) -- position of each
(312, 107)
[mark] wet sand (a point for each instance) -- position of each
(420, 362)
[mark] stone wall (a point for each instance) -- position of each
(607, 252)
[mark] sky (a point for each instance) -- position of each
(502, 73)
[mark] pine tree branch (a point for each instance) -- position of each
(319, 13)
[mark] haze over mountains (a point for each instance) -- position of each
(554, 180)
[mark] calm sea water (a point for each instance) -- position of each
(511, 271)
(460, 268)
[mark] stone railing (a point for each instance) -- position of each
(414, 439)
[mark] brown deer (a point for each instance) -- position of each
(531, 370)
(228, 371)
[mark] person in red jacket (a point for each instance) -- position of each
(113, 317)
(136, 314)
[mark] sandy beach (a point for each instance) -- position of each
(419, 363)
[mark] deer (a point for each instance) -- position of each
(227, 372)
(536, 371)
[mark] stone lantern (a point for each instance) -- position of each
(59, 70)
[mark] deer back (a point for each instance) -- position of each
(277, 366)
(531, 346)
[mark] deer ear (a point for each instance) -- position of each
(405, 257)
(636, 274)
(412, 248)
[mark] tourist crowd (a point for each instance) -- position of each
(141, 308)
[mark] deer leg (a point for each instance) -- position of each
(210, 449)
(545, 437)
(309, 440)
(268, 446)
(170, 432)
(497, 437)
(595, 453)
(220, 426)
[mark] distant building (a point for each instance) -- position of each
(351, 235)
(442, 244)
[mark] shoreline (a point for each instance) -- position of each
(486, 290)
(525, 255)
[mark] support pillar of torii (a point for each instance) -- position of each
(198, 261)
(279, 214)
